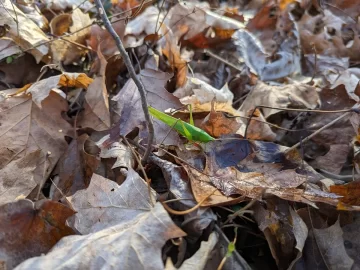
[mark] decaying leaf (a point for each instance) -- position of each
(130, 113)
(30, 229)
(217, 124)
(96, 113)
(292, 95)
(200, 258)
(41, 89)
(76, 168)
(104, 203)
(26, 129)
(23, 32)
(17, 178)
(66, 49)
(134, 245)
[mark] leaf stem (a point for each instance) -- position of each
(132, 73)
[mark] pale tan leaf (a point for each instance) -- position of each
(104, 203)
(25, 128)
(136, 245)
(23, 31)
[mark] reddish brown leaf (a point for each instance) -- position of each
(31, 229)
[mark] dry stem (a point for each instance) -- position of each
(132, 73)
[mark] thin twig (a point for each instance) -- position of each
(293, 110)
(132, 73)
(315, 65)
(222, 60)
(175, 212)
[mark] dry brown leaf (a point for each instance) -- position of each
(108, 204)
(76, 168)
(283, 229)
(17, 178)
(200, 258)
(23, 32)
(334, 160)
(325, 248)
(31, 229)
(171, 50)
(293, 95)
(129, 113)
(66, 51)
(64, 4)
(136, 244)
(96, 113)
(26, 129)
(40, 90)
(217, 124)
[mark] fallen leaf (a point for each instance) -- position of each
(283, 229)
(171, 50)
(31, 229)
(96, 113)
(200, 258)
(17, 177)
(104, 203)
(217, 124)
(197, 221)
(63, 4)
(76, 168)
(136, 244)
(27, 129)
(41, 89)
(197, 91)
(23, 32)
(292, 95)
(65, 50)
(147, 22)
(334, 160)
(325, 247)
(129, 112)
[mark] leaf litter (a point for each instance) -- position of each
(274, 84)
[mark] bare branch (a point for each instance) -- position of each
(132, 73)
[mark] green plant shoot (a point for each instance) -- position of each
(191, 132)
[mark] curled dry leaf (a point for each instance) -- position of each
(198, 91)
(122, 153)
(104, 203)
(41, 89)
(171, 50)
(197, 221)
(26, 129)
(136, 244)
(65, 50)
(30, 229)
(23, 32)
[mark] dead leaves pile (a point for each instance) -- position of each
(73, 192)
